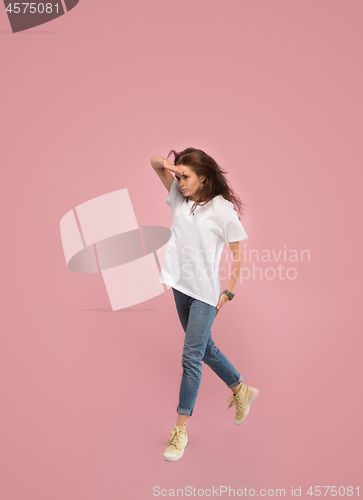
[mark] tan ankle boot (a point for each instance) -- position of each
(243, 399)
(177, 442)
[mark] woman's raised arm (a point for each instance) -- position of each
(164, 168)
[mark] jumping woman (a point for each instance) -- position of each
(204, 219)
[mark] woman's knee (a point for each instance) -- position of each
(192, 355)
(192, 366)
(210, 351)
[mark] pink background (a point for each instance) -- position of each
(272, 90)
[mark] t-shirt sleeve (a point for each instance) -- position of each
(233, 229)
(174, 195)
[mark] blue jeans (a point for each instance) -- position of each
(196, 318)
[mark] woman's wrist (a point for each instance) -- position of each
(228, 293)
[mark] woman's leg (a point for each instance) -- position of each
(183, 308)
(196, 318)
(213, 357)
(182, 303)
(221, 366)
(182, 419)
(243, 394)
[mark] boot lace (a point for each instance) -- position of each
(175, 437)
(235, 400)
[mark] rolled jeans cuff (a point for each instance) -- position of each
(184, 411)
(236, 383)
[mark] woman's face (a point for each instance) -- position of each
(189, 183)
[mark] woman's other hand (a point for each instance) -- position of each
(222, 300)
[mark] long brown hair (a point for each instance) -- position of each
(215, 182)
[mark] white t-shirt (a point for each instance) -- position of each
(194, 250)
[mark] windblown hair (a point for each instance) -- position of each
(215, 183)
